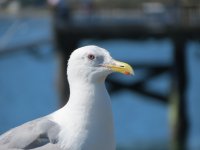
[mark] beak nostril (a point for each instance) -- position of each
(122, 66)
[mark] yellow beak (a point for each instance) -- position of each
(120, 67)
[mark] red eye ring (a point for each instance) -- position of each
(91, 57)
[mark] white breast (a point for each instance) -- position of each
(86, 121)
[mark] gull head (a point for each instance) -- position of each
(94, 64)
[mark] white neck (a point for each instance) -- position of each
(87, 117)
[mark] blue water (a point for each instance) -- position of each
(28, 84)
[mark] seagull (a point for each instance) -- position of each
(86, 121)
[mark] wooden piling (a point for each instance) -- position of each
(178, 108)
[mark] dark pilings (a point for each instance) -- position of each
(178, 107)
(66, 44)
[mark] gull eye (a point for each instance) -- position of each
(91, 57)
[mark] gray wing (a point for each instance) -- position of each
(33, 134)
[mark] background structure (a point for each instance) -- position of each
(158, 108)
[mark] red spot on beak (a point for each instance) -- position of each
(127, 73)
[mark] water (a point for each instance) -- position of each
(28, 85)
